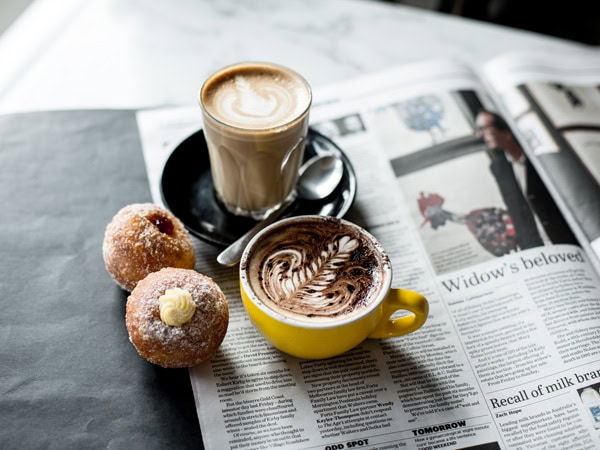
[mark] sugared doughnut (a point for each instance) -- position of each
(143, 238)
(177, 317)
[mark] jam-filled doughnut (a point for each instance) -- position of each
(143, 238)
(177, 317)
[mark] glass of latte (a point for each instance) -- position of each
(255, 118)
(317, 286)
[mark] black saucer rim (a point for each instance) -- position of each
(180, 181)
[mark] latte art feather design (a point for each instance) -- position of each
(250, 103)
(324, 284)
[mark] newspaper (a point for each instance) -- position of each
(509, 355)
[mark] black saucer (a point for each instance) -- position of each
(187, 190)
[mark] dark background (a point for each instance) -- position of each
(69, 377)
(576, 20)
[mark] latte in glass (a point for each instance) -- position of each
(255, 119)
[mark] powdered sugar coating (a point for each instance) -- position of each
(170, 346)
(143, 238)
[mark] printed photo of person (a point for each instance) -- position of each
(532, 197)
(506, 158)
(474, 194)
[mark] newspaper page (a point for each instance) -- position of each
(554, 101)
(507, 358)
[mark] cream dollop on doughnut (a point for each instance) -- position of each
(176, 307)
(143, 238)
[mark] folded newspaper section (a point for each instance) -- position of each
(555, 106)
(508, 357)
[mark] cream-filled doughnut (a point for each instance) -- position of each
(177, 317)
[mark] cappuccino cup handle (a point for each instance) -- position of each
(401, 300)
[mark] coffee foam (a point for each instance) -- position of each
(256, 97)
(317, 271)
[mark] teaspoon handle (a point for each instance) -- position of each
(232, 254)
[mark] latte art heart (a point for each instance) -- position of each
(255, 98)
(252, 104)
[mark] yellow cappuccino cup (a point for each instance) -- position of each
(317, 286)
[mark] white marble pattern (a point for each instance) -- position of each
(130, 53)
